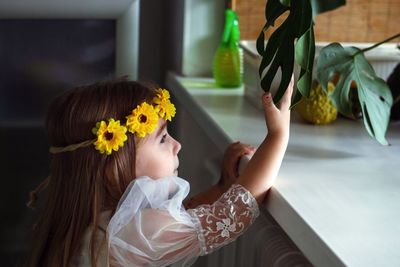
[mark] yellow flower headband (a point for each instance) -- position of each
(142, 121)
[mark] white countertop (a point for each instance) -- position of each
(338, 191)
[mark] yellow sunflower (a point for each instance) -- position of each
(110, 136)
(161, 94)
(143, 120)
(166, 110)
(164, 107)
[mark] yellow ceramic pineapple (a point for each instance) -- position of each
(318, 108)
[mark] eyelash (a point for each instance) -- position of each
(163, 138)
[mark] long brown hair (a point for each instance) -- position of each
(83, 182)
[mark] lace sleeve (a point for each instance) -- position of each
(222, 222)
(150, 226)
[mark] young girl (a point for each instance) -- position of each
(114, 195)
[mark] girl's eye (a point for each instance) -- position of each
(163, 138)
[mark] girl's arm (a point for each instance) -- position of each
(206, 197)
(229, 176)
(263, 168)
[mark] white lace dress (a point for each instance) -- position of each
(152, 228)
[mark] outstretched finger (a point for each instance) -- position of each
(268, 103)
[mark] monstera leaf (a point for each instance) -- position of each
(281, 50)
(374, 95)
(293, 41)
(321, 6)
(304, 56)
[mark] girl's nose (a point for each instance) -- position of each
(177, 147)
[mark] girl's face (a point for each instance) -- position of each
(157, 154)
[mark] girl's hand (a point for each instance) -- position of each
(277, 117)
(230, 162)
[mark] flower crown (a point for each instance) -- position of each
(111, 135)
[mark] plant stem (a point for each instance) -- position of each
(377, 44)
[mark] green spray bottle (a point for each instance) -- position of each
(228, 60)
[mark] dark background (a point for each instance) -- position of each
(41, 58)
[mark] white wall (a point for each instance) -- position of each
(127, 42)
(203, 24)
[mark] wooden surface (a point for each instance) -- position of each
(357, 21)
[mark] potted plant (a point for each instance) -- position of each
(293, 42)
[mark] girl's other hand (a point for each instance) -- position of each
(230, 163)
(277, 117)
